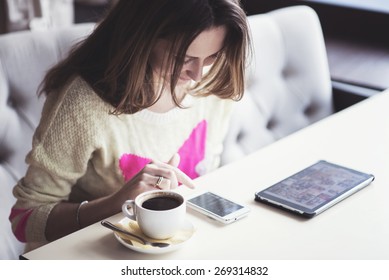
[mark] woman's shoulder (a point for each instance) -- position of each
(79, 93)
(75, 106)
(78, 100)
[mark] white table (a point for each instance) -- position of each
(356, 228)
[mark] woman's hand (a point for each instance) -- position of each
(103, 207)
(156, 175)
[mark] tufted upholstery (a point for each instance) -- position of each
(288, 84)
(24, 58)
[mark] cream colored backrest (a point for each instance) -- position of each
(25, 56)
(288, 84)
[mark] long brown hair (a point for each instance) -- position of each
(114, 59)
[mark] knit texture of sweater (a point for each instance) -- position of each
(81, 152)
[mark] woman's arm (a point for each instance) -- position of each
(63, 218)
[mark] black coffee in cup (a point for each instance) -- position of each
(161, 203)
(160, 214)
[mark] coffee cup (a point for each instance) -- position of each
(160, 214)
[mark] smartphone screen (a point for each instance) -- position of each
(216, 205)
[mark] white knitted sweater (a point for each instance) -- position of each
(81, 152)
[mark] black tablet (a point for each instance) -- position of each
(315, 188)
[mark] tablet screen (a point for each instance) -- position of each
(316, 185)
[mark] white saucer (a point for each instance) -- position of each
(177, 241)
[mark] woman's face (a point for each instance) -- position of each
(202, 52)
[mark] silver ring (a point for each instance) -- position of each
(159, 182)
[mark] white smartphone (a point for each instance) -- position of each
(217, 207)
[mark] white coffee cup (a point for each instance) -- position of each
(160, 213)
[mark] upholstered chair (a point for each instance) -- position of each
(288, 82)
(25, 56)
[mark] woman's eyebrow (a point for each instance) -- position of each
(192, 57)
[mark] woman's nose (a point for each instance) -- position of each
(195, 71)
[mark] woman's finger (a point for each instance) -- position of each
(184, 179)
(175, 160)
(173, 173)
(162, 183)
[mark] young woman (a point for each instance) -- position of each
(142, 103)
